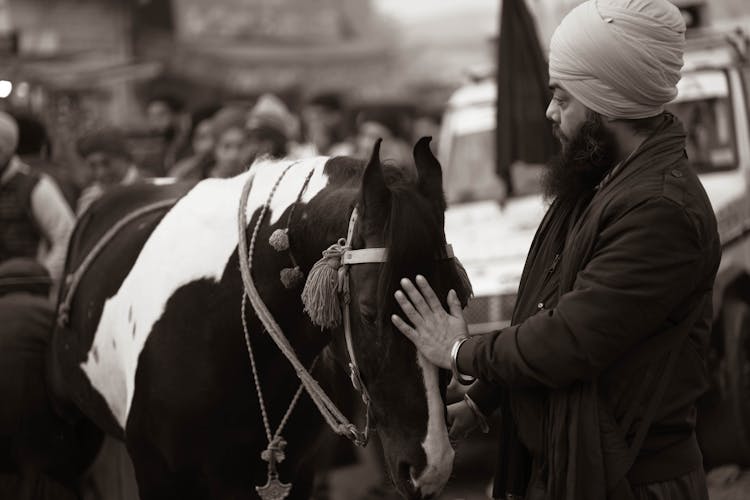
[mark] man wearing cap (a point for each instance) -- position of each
(35, 219)
(108, 157)
(598, 375)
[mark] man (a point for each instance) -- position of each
(270, 126)
(35, 219)
(323, 120)
(108, 157)
(170, 128)
(599, 372)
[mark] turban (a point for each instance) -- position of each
(620, 58)
(8, 133)
(270, 113)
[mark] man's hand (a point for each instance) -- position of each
(434, 329)
(462, 420)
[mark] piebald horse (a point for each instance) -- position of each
(153, 350)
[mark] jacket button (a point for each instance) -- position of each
(540, 305)
(676, 173)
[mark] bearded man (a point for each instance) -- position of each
(599, 373)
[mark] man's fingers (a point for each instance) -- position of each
(432, 300)
(404, 328)
(414, 316)
(455, 305)
(416, 297)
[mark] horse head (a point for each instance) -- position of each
(404, 214)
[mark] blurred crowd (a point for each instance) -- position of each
(183, 142)
(224, 140)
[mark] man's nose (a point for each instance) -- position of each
(552, 111)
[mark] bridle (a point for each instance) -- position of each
(349, 257)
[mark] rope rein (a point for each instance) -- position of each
(74, 279)
(327, 408)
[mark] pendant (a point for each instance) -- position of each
(274, 489)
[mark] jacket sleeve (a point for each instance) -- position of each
(644, 264)
(56, 221)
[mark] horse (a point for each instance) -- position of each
(154, 343)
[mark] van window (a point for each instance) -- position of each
(471, 173)
(704, 107)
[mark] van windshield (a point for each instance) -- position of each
(471, 174)
(704, 107)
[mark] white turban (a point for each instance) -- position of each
(620, 58)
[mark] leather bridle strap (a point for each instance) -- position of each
(353, 257)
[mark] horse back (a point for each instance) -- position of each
(72, 341)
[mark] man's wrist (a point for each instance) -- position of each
(460, 377)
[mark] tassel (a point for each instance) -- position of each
(320, 295)
(463, 278)
(291, 277)
(279, 240)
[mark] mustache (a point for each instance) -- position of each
(558, 133)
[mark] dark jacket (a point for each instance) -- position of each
(638, 260)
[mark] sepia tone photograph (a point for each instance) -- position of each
(374, 249)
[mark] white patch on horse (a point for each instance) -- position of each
(436, 445)
(193, 241)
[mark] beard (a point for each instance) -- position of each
(585, 160)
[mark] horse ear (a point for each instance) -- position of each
(430, 173)
(375, 193)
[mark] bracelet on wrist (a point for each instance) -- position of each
(460, 377)
(483, 425)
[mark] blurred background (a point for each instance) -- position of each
(199, 88)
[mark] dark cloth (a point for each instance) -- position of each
(41, 455)
(19, 234)
(688, 486)
(580, 371)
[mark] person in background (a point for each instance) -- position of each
(323, 124)
(387, 124)
(270, 126)
(34, 149)
(230, 149)
(35, 219)
(202, 148)
(171, 128)
(107, 155)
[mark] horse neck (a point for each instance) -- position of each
(321, 224)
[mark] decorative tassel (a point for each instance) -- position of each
(291, 277)
(463, 278)
(279, 240)
(320, 295)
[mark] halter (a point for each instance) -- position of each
(349, 258)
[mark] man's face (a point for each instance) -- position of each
(229, 150)
(566, 113)
(203, 138)
(160, 116)
(584, 161)
(107, 169)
